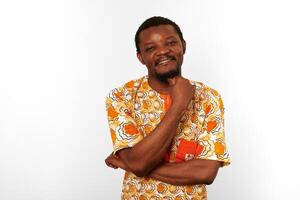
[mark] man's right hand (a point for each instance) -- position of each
(181, 91)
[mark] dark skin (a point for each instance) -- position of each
(162, 52)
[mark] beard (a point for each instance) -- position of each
(171, 74)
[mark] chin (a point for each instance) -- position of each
(170, 74)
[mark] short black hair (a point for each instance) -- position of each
(155, 21)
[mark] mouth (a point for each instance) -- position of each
(164, 60)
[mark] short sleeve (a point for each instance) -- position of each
(123, 128)
(211, 141)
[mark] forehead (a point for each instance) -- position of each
(156, 33)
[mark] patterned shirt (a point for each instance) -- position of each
(135, 109)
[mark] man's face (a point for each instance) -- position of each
(161, 50)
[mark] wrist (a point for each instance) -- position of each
(177, 110)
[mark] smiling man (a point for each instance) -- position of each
(167, 131)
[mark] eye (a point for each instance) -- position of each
(149, 48)
(172, 42)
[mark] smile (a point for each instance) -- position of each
(163, 61)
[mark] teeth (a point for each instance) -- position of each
(163, 61)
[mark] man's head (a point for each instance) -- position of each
(160, 46)
(155, 21)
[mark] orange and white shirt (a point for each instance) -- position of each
(135, 109)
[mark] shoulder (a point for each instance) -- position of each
(126, 91)
(205, 89)
(207, 94)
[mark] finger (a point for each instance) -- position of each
(115, 155)
(113, 166)
(109, 164)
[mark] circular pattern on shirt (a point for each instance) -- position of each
(157, 105)
(140, 94)
(146, 104)
(161, 188)
(190, 190)
(131, 188)
(179, 197)
(137, 106)
(128, 97)
(151, 94)
(154, 197)
(145, 117)
(173, 189)
(153, 116)
(168, 198)
(142, 197)
(150, 189)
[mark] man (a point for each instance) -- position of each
(167, 131)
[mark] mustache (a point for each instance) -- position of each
(170, 57)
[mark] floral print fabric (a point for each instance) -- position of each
(135, 109)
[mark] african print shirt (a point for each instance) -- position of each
(135, 109)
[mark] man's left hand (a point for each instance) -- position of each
(115, 162)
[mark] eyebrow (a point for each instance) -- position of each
(171, 37)
(148, 43)
(167, 38)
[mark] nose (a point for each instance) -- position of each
(162, 50)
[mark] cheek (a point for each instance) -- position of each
(180, 53)
(149, 60)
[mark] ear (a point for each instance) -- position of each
(183, 46)
(139, 56)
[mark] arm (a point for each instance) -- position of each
(148, 153)
(192, 172)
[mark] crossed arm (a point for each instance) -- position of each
(149, 152)
(191, 172)
(145, 158)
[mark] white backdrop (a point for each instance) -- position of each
(59, 59)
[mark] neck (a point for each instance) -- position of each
(158, 85)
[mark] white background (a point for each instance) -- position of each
(59, 59)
